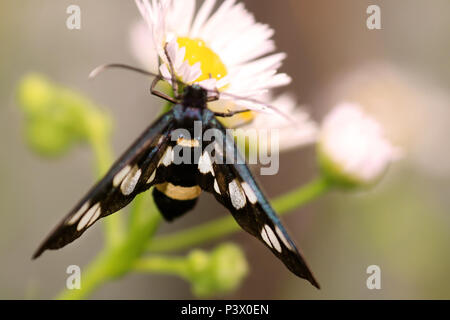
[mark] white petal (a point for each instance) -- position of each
(141, 42)
(201, 17)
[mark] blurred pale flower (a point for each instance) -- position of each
(353, 149)
(413, 110)
(225, 49)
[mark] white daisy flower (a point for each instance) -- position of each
(353, 149)
(224, 49)
(291, 135)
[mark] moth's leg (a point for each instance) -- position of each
(172, 72)
(230, 113)
(216, 91)
(159, 93)
(214, 98)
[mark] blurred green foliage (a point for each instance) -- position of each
(57, 117)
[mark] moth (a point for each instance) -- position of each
(151, 162)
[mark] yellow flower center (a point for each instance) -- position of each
(211, 66)
(197, 51)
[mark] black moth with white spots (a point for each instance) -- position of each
(150, 162)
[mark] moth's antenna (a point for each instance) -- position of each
(269, 106)
(153, 90)
(94, 73)
(105, 67)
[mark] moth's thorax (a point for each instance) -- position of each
(185, 116)
(195, 97)
(192, 107)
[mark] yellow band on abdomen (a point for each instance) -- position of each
(178, 192)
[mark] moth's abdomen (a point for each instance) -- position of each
(173, 201)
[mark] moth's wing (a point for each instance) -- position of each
(134, 172)
(233, 185)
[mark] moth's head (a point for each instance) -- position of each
(195, 96)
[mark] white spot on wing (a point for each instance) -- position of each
(152, 177)
(88, 216)
(205, 164)
(118, 178)
(78, 214)
(283, 238)
(236, 194)
(167, 158)
(216, 186)
(265, 237)
(249, 192)
(273, 238)
(130, 181)
(94, 217)
(190, 143)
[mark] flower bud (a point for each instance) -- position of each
(219, 272)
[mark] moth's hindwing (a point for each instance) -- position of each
(234, 186)
(132, 174)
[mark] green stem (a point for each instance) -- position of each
(162, 265)
(113, 225)
(301, 196)
(122, 248)
(225, 226)
(92, 278)
(118, 260)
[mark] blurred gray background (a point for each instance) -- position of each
(401, 74)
